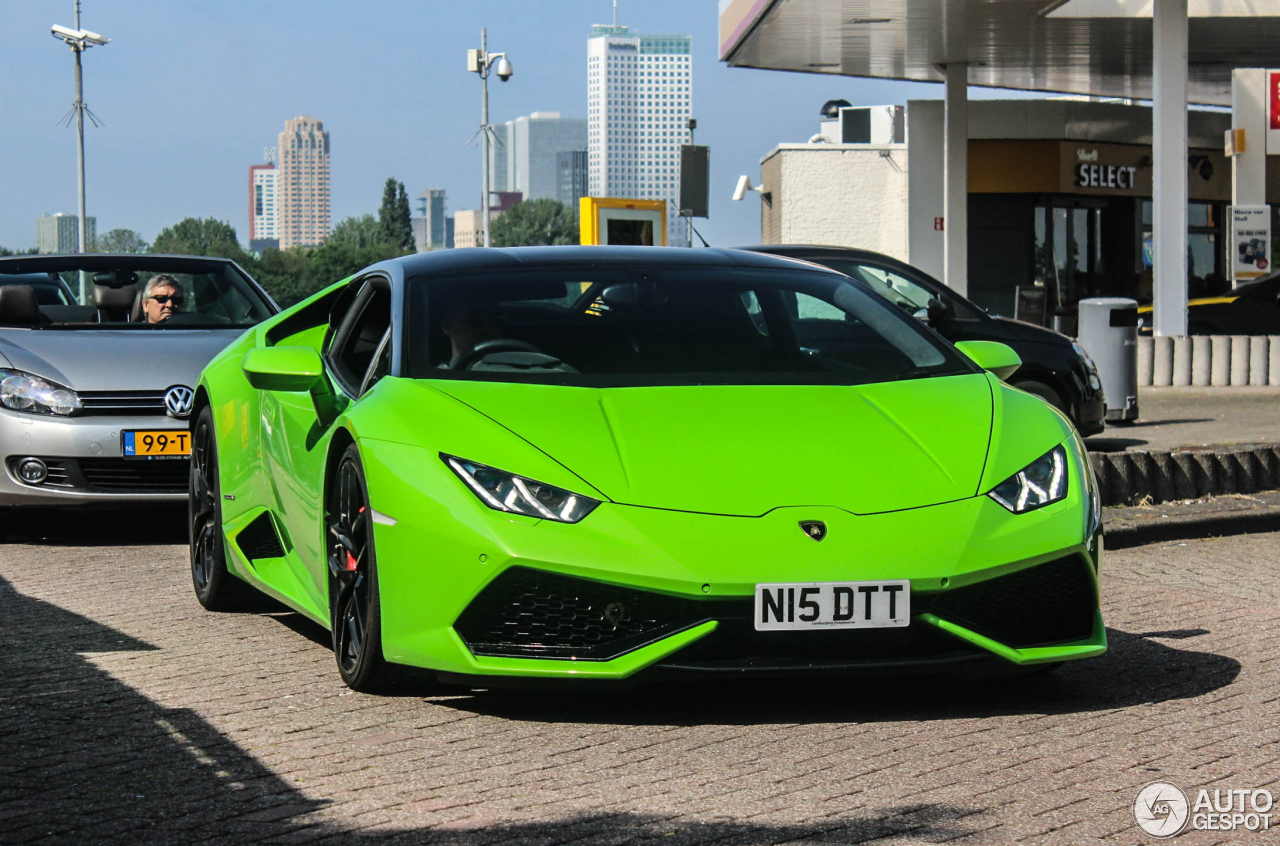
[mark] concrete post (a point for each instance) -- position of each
(1169, 179)
(955, 198)
(1249, 112)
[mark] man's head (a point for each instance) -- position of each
(470, 321)
(161, 298)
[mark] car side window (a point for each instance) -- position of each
(381, 364)
(361, 333)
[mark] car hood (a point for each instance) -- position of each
(114, 360)
(744, 450)
(1033, 333)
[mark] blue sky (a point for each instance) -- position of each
(190, 92)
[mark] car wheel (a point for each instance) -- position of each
(353, 579)
(216, 588)
(1045, 392)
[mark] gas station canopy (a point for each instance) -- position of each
(1094, 47)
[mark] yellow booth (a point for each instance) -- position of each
(613, 220)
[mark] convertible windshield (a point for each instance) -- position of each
(129, 293)
(636, 326)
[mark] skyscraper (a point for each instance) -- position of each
(264, 208)
(571, 177)
(304, 183)
(640, 97)
(532, 143)
(60, 233)
(431, 230)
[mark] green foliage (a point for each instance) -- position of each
(535, 223)
(358, 233)
(194, 237)
(393, 216)
(120, 241)
(5, 251)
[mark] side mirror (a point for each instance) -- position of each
(993, 356)
(937, 311)
(287, 369)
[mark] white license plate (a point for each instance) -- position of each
(832, 605)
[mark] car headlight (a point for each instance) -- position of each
(1085, 357)
(503, 491)
(25, 392)
(1042, 482)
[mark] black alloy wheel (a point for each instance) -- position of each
(353, 581)
(216, 589)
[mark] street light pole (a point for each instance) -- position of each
(481, 62)
(484, 138)
(78, 105)
(79, 40)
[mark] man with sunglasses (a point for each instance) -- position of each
(161, 298)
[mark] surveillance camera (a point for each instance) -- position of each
(744, 185)
(504, 69)
(93, 37)
(64, 32)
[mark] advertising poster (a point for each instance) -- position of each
(1250, 242)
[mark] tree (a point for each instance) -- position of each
(393, 216)
(194, 237)
(120, 241)
(358, 232)
(5, 251)
(403, 220)
(535, 223)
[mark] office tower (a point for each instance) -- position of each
(264, 208)
(60, 233)
(304, 183)
(639, 95)
(571, 177)
(430, 231)
(467, 232)
(532, 144)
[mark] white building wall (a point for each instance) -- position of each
(845, 195)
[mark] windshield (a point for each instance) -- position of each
(637, 326)
(150, 294)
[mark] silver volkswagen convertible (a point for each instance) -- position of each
(94, 397)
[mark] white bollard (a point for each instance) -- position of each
(1239, 360)
(1221, 369)
(1162, 362)
(1146, 362)
(1201, 360)
(1182, 361)
(1259, 346)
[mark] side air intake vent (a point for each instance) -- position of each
(259, 539)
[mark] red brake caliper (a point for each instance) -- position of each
(351, 559)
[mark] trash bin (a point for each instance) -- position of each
(1109, 333)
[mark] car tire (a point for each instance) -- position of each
(354, 609)
(216, 588)
(1045, 392)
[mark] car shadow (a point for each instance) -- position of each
(152, 524)
(88, 759)
(1137, 670)
(1112, 444)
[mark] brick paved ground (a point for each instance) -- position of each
(128, 715)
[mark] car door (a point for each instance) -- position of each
(298, 439)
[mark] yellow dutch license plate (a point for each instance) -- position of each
(159, 443)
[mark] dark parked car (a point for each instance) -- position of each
(1054, 367)
(1251, 309)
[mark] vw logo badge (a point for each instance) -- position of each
(815, 529)
(178, 400)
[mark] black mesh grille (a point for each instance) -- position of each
(118, 475)
(735, 645)
(1041, 605)
(259, 540)
(533, 613)
(126, 403)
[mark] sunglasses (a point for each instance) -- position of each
(165, 299)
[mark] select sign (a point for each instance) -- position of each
(1105, 176)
